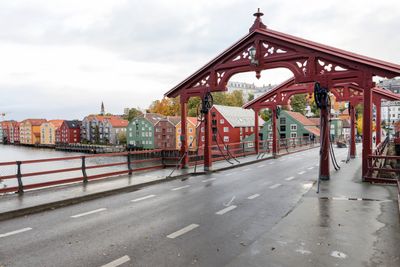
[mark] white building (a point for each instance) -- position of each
(248, 88)
(390, 111)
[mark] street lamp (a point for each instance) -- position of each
(252, 54)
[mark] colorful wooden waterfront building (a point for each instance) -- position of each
(291, 125)
(165, 133)
(191, 125)
(69, 132)
(29, 131)
(48, 131)
(140, 131)
(230, 124)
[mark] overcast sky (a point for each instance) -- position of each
(61, 58)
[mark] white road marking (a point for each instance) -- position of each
(274, 186)
(228, 174)
(88, 213)
(183, 231)
(271, 163)
(260, 166)
(230, 202)
(338, 254)
(245, 170)
(16, 232)
(142, 198)
(289, 178)
(310, 168)
(227, 209)
(117, 262)
(179, 188)
(208, 180)
(302, 172)
(253, 196)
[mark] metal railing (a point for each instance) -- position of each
(84, 169)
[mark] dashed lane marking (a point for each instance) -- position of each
(302, 172)
(227, 209)
(274, 186)
(179, 188)
(260, 166)
(16, 232)
(253, 196)
(289, 178)
(310, 168)
(88, 213)
(229, 174)
(143, 198)
(183, 231)
(245, 170)
(208, 180)
(117, 262)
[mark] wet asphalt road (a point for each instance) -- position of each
(203, 221)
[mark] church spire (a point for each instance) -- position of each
(102, 112)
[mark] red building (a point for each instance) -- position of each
(165, 133)
(230, 124)
(69, 132)
(10, 131)
(14, 132)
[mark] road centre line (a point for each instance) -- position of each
(289, 178)
(117, 262)
(16, 232)
(183, 231)
(208, 180)
(310, 168)
(227, 209)
(179, 188)
(274, 186)
(253, 196)
(302, 172)
(143, 198)
(88, 213)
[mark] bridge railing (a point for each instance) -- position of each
(380, 166)
(85, 168)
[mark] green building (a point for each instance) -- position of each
(290, 125)
(140, 131)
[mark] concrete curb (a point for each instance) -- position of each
(71, 201)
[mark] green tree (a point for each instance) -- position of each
(250, 97)
(265, 114)
(299, 103)
(132, 113)
(121, 138)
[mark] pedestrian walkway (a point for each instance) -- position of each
(349, 223)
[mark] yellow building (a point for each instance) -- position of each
(48, 131)
(29, 131)
(191, 133)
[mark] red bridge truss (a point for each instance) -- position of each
(348, 76)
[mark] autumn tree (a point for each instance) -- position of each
(172, 107)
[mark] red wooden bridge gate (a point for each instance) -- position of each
(348, 76)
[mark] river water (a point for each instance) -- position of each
(21, 153)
